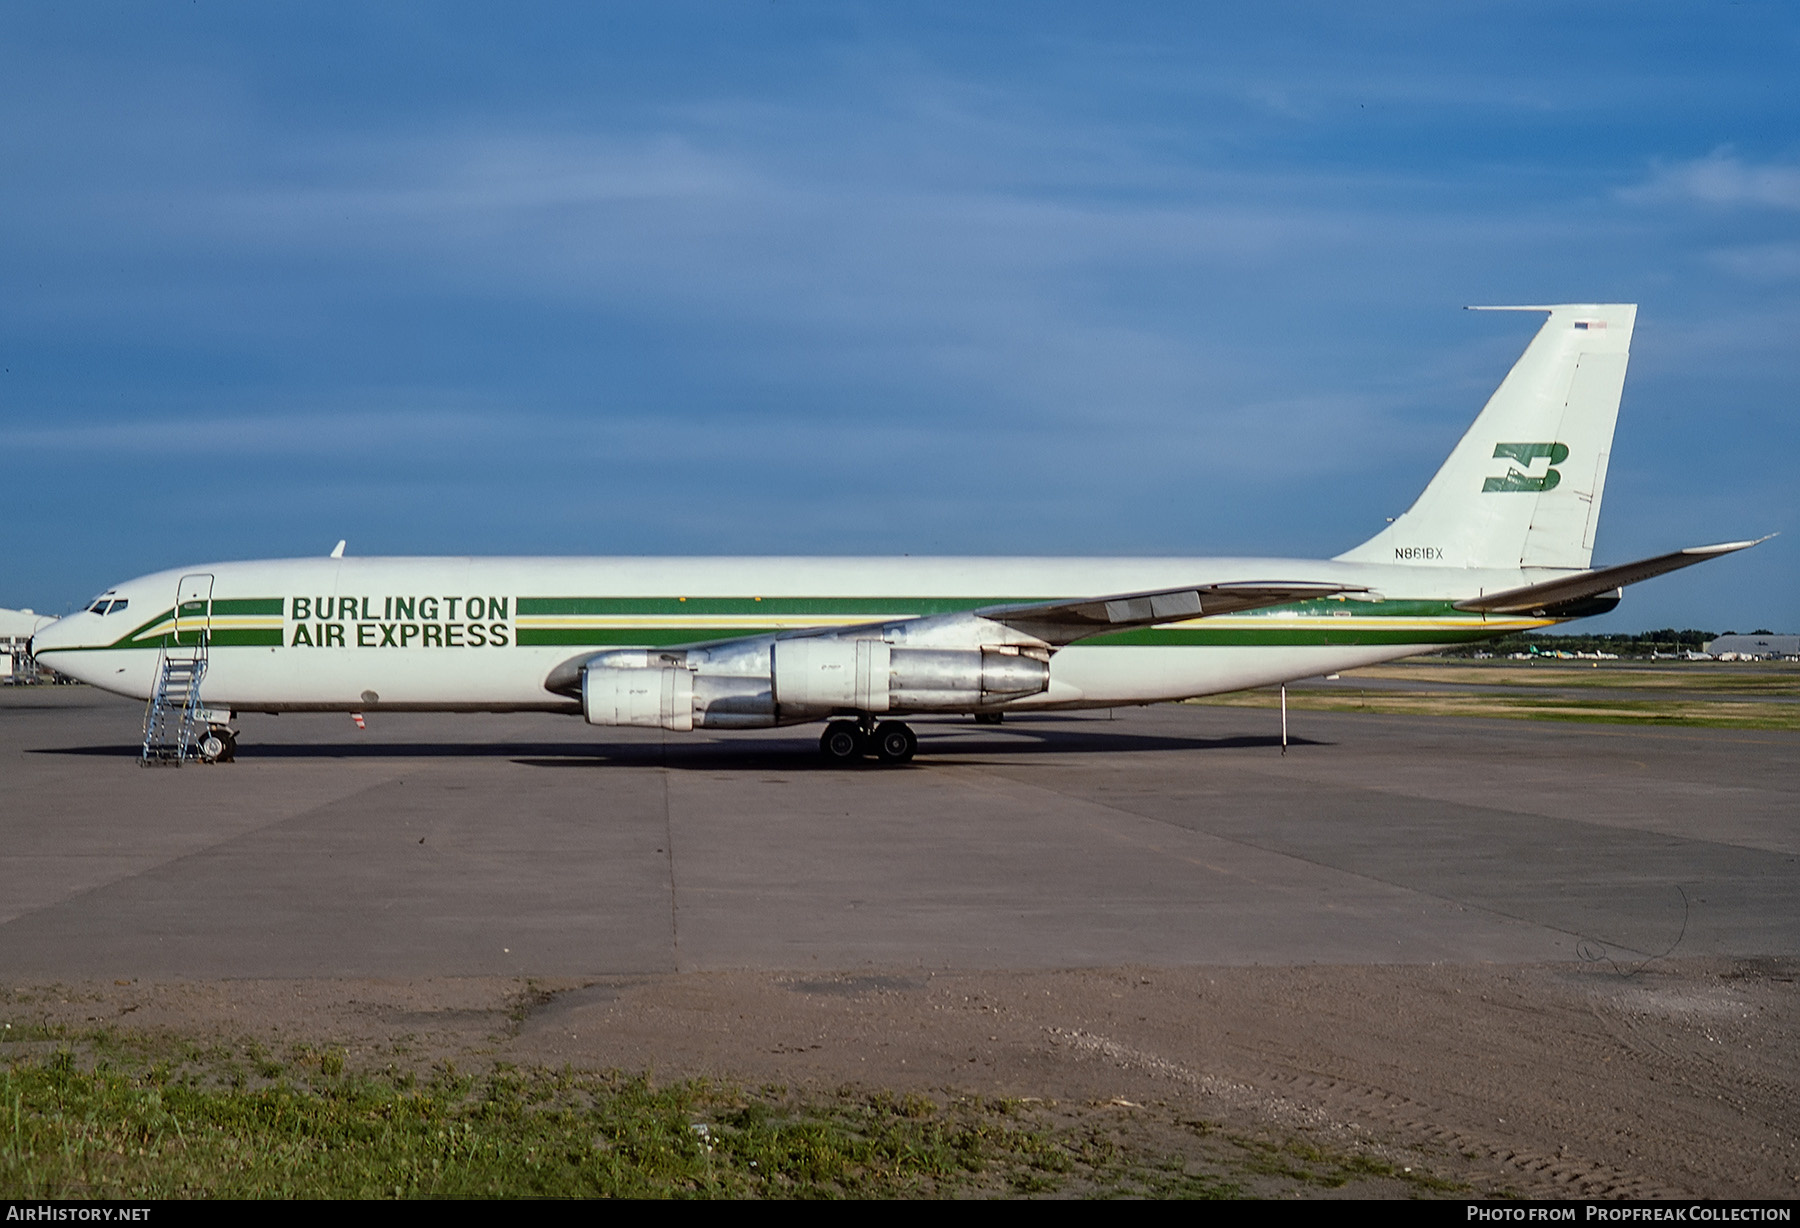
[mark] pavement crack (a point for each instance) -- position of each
(1411, 888)
(669, 854)
(204, 849)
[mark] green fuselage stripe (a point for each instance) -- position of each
(1328, 622)
(1269, 637)
(249, 605)
(1344, 635)
(830, 607)
(1308, 623)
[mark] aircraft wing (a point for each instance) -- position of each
(1063, 622)
(1536, 598)
(1049, 623)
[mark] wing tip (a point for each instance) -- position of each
(1730, 547)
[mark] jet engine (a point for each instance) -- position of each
(822, 674)
(773, 680)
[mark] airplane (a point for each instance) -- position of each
(1500, 541)
(16, 627)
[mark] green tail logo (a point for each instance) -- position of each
(1527, 454)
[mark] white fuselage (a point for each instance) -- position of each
(485, 634)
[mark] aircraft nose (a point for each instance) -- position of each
(44, 638)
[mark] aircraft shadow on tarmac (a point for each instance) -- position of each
(987, 748)
(965, 745)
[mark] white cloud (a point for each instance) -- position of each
(279, 433)
(1721, 178)
(1763, 262)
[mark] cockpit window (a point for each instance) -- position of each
(98, 604)
(116, 606)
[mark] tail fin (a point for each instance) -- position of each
(1523, 487)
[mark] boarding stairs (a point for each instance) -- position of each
(175, 719)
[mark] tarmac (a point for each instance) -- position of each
(1176, 836)
(1520, 957)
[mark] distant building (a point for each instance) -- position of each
(1755, 645)
(16, 627)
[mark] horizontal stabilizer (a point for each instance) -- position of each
(1064, 622)
(1536, 598)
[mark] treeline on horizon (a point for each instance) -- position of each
(1640, 644)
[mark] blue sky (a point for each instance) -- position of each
(837, 278)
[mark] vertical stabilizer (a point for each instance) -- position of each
(1523, 487)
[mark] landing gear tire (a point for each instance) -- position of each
(989, 718)
(841, 742)
(895, 742)
(216, 746)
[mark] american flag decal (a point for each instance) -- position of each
(1590, 324)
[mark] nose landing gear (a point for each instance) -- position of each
(217, 745)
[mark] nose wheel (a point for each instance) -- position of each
(216, 745)
(846, 742)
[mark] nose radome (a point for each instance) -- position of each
(44, 637)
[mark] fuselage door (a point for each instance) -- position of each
(193, 611)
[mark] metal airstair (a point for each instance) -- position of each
(172, 720)
(175, 719)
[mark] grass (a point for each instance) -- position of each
(1763, 678)
(152, 1132)
(1311, 1165)
(102, 1115)
(1716, 714)
(1715, 697)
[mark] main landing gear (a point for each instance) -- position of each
(849, 741)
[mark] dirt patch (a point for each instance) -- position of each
(1682, 1079)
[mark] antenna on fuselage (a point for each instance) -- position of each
(337, 551)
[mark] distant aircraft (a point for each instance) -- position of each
(1500, 541)
(16, 627)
